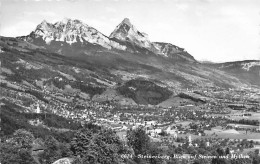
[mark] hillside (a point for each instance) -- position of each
(144, 92)
(48, 124)
(69, 60)
(248, 71)
(83, 74)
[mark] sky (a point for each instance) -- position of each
(210, 30)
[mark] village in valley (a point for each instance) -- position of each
(200, 118)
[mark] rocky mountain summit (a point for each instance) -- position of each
(69, 34)
(125, 31)
(71, 31)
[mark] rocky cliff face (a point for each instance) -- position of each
(71, 31)
(71, 37)
(127, 32)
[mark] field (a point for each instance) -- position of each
(232, 134)
(238, 115)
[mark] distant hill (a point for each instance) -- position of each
(144, 92)
(248, 70)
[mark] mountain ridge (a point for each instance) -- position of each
(71, 31)
(125, 37)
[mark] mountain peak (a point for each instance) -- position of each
(123, 29)
(126, 21)
(72, 31)
(44, 22)
(126, 31)
(69, 20)
(43, 26)
(66, 20)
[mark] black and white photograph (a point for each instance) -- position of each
(129, 81)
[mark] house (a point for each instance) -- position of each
(171, 132)
(157, 131)
(124, 128)
(64, 161)
(150, 122)
(153, 132)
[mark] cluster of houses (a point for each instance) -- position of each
(156, 120)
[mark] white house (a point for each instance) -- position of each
(171, 132)
(150, 122)
(38, 110)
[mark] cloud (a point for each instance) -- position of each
(110, 10)
(40, 0)
(182, 6)
(72, 0)
(53, 0)
(40, 13)
(18, 29)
